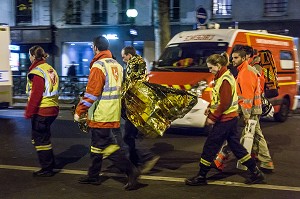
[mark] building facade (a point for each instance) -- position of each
(66, 28)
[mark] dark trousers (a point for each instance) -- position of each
(40, 136)
(136, 156)
(103, 139)
(220, 132)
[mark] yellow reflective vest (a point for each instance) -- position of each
(216, 93)
(107, 108)
(50, 95)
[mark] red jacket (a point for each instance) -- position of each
(33, 105)
(225, 100)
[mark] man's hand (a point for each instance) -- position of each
(209, 122)
(76, 117)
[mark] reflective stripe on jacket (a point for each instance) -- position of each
(248, 90)
(107, 107)
(50, 95)
(216, 93)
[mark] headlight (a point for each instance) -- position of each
(199, 88)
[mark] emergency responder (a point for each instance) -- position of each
(102, 105)
(42, 107)
(253, 61)
(249, 92)
(222, 114)
(135, 70)
(260, 148)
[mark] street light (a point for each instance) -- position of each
(132, 14)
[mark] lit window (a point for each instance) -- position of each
(222, 8)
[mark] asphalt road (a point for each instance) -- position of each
(179, 150)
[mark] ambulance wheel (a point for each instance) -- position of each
(284, 110)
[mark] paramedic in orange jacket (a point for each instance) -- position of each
(249, 92)
(102, 104)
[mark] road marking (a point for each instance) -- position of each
(161, 178)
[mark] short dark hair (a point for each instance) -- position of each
(248, 49)
(241, 53)
(101, 43)
(129, 50)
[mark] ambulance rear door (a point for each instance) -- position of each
(5, 71)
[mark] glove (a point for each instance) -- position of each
(76, 117)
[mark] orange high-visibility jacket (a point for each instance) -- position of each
(248, 90)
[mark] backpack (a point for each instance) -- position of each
(270, 73)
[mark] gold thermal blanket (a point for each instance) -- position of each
(152, 107)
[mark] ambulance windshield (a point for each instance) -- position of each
(188, 56)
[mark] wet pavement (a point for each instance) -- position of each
(179, 150)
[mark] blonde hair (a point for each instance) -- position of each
(221, 59)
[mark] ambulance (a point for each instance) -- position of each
(5, 70)
(182, 65)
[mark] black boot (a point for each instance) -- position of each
(89, 180)
(200, 178)
(43, 173)
(196, 180)
(132, 183)
(257, 177)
